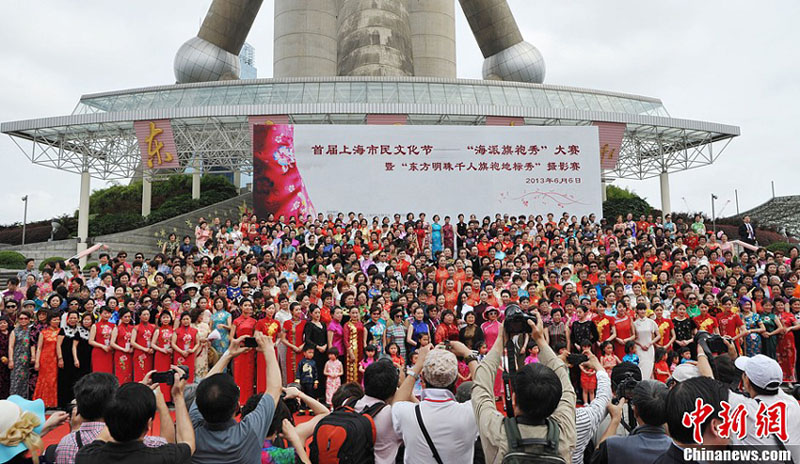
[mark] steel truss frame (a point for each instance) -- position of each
(110, 151)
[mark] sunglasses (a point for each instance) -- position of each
(11, 306)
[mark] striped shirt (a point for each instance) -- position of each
(589, 417)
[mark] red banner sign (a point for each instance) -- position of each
(157, 143)
(611, 134)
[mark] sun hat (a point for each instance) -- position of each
(21, 423)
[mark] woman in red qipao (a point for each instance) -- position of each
(447, 330)
(292, 336)
(142, 351)
(100, 339)
(162, 343)
(244, 365)
(271, 328)
(123, 351)
(355, 339)
(184, 344)
(786, 354)
(623, 323)
(47, 363)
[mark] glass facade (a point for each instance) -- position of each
(505, 94)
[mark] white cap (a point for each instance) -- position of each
(684, 372)
(763, 372)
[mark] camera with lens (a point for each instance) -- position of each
(517, 320)
(575, 359)
(624, 379)
(712, 344)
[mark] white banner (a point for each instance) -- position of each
(382, 170)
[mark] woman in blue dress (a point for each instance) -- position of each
(752, 322)
(221, 322)
(436, 235)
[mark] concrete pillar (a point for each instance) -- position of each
(305, 38)
(374, 39)
(237, 179)
(83, 215)
(196, 184)
(666, 208)
(603, 186)
(433, 37)
(147, 195)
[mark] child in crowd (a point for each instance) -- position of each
(333, 371)
(588, 375)
(424, 340)
(464, 374)
(482, 350)
(685, 354)
(369, 358)
(630, 353)
(393, 352)
(609, 360)
(672, 360)
(533, 353)
(661, 370)
(307, 372)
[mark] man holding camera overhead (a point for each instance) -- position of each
(543, 399)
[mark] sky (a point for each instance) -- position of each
(725, 61)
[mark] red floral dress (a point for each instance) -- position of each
(186, 339)
(47, 384)
(162, 361)
(123, 362)
(786, 353)
(143, 361)
(102, 361)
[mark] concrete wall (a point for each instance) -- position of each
(305, 38)
(374, 38)
(433, 37)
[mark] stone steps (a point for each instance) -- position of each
(144, 240)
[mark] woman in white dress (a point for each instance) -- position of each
(647, 335)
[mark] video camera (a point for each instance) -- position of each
(712, 344)
(517, 320)
(624, 379)
(168, 377)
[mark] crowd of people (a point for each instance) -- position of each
(396, 318)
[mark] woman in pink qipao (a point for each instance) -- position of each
(278, 183)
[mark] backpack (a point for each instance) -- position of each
(345, 436)
(531, 450)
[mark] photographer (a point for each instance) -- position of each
(648, 440)
(761, 381)
(542, 394)
(129, 416)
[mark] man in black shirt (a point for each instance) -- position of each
(128, 418)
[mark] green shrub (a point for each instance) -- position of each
(12, 260)
(91, 264)
(623, 206)
(112, 223)
(51, 259)
(780, 246)
(619, 193)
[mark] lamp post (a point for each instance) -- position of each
(24, 218)
(713, 214)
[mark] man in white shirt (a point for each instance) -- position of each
(450, 425)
